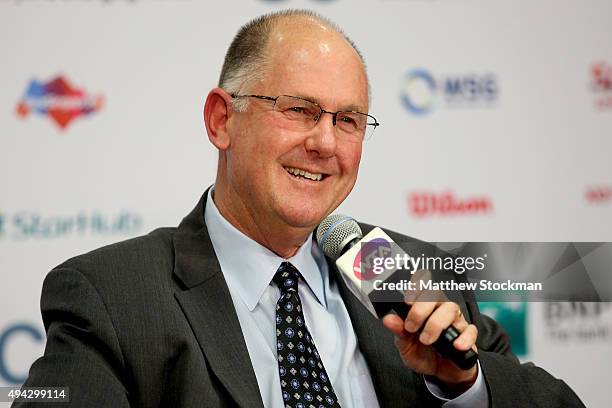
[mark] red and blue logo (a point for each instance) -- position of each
(59, 100)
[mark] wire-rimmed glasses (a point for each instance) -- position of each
(303, 114)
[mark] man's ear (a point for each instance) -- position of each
(217, 111)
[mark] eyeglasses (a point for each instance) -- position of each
(303, 115)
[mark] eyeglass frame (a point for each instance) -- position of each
(322, 111)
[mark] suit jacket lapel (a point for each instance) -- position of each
(208, 307)
(396, 385)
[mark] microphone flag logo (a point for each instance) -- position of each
(363, 265)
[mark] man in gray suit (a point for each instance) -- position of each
(186, 317)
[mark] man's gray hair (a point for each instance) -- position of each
(245, 62)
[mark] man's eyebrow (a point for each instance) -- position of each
(308, 98)
(355, 108)
(351, 107)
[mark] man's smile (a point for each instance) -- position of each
(304, 174)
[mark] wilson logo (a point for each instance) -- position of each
(598, 195)
(428, 204)
(601, 84)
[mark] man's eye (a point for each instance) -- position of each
(348, 120)
(297, 109)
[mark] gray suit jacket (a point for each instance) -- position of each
(149, 322)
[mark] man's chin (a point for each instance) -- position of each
(304, 218)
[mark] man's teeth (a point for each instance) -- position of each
(304, 173)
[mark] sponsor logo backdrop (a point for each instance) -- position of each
(496, 121)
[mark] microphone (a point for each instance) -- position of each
(341, 239)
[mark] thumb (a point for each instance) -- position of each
(395, 324)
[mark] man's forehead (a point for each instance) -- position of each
(351, 105)
(328, 98)
(300, 26)
(301, 58)
(307, 35)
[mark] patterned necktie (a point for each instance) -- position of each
(303, 378)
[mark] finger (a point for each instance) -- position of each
(467, 338)
(420, 293)
(418, 314)
(415, 355)
(460, 323)
(444, 315)
(395, 324)
(412, 295)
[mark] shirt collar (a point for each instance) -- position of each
(249, 267)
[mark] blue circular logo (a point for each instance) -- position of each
(418, 91)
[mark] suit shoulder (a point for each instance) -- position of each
(155, 247)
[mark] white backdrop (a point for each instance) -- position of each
(513, 145)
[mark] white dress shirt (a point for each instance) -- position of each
(248, 268)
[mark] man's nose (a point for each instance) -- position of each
(322, 139)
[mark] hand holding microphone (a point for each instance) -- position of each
(432, 335)
(420, 337)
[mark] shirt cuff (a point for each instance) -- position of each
(474, 397)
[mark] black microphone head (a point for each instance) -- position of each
(335, 232)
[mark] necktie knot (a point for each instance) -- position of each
(287, 277)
